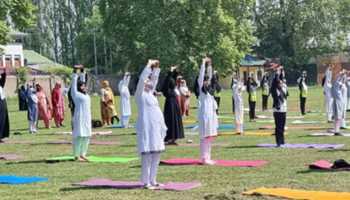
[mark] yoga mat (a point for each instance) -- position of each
(329, 134)
(226, 127)
(305, 122)
(295, 117)
(299, 194)
(93, 142)
(222, 163)
(14, 180)
(189, 121)
(264, 117)
(119, 126)
(309, 128)
(136, 185)
(304, 146)
(248, 133)
(325, 165)
(93, 133)
(190, 126)
(94, 159)
(9, 157)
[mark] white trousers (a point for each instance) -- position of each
(125, 121)
(32, 126)
(329, 107)
(149, 168)
(80, 146)
(205, 148)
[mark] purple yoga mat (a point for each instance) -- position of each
(9, 157)
(136, 185)
(304, 146)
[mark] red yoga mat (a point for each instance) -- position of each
(222, 163)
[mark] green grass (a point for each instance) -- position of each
(286, 168)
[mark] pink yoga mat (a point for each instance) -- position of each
(136, 185)
(321, 164)
(9, 157)
(223, 163)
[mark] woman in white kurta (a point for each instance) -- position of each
(81, 118)
(338, 101)
(207, 117)
(125, 107)
(238, 89)
(150, 125)
(327, 90)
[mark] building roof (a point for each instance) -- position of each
(250, 60)
(39, 62)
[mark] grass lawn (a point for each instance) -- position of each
(286, 168)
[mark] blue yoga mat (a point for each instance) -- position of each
(221, 126)
(14, 180)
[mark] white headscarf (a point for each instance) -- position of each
(2, 93)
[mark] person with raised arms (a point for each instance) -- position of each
(81, 116)
(207, 117)
(125, 107)
(238, 89)
(4, 117)
(150, 124)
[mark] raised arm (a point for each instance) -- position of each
(147, 71)
(201, 75)
(3, 79)
(155, 78)
(74, 85)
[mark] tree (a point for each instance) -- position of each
(19, 15)
(178, 32)
(296, 31)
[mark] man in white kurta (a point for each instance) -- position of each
(207, 117)
(125, 107)
(150, 124)
(238, 89)
(327, 90)
(81, 118)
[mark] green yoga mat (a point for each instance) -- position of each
(95, 159)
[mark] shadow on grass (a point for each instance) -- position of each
(37, 161)
(308, 171)
(72, 189)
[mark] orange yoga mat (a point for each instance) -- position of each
(299, 194)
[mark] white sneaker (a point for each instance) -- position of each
(208, 162)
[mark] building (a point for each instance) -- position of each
(12, 56)
(251, 65)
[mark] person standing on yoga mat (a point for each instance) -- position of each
(339, 106)
(238, 89)
(32, 113)
(265, 87)
(4, 117)
(327, 91)
(279, 95)
(207, 117)
(233, 85)
(125, 107)
(345, 101)
(303, 89)
(81, 117)
(150, 124)
(58, 104)
(251, 88)
(172, 111)
(348, 94)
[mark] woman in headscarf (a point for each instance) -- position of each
(22, 98)
(32, 114)
(150, 125)
(172, 112)
(185, 99)
(58, 105)
(125, 107)
(207, 117)
(81, 117)
(107, 104)
(4, 118)
(44, 106)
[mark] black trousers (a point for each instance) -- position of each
(280, 122)
(302, 105)
(217, 99)
(233, 105)
(264, 102)
(252, 105)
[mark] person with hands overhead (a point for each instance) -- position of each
(4, 117)
(150, 124)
